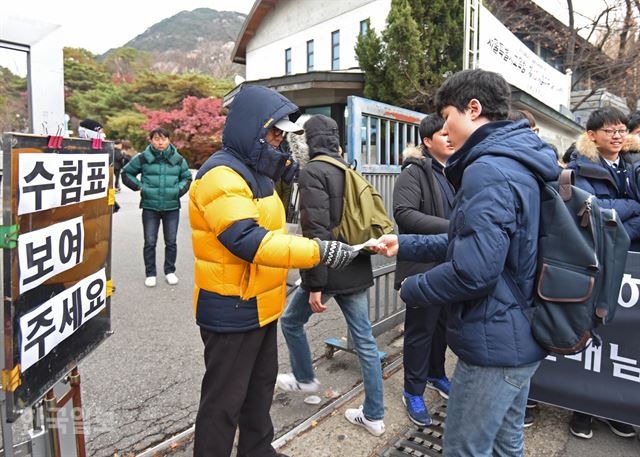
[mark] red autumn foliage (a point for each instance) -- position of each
(196, 127)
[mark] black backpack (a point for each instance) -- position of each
(582, 251)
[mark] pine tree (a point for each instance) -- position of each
(441, 25)
(401, 57)
(369, 53)
(420, 47)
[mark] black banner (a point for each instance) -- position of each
(602, 381)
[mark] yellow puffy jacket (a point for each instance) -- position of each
(239, 235)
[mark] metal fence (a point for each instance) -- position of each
(377, 134)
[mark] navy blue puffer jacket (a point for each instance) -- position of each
(594, 176)
(493, 232)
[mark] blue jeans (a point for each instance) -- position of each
(355, 308)
(485, 412)
(150, 226)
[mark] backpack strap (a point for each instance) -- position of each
(331, 160)
(567, 179)
(518, 295)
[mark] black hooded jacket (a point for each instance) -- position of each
(417, 206)
(321, 194)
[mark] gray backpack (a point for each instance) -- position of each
(582, 251)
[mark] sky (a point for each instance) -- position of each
(100, 27)
(112, 24)
(115, 22)
(585, 10)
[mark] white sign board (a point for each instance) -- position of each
(48, 181)
(47, 325)
(48, 251)
(502, 52)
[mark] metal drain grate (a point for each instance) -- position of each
(419, 441)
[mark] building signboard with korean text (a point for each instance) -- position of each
(603, 381)
(501, 51)
(57, 196)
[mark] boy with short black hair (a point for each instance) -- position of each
(164, 178)
(422, 203)
(602, 169)
(488, 249)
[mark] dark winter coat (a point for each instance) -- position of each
(321, 187)
(493, 232)
(164, 178)
(417, 206)
(240, 242)
(596, 177)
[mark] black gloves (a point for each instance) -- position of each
(335, 254)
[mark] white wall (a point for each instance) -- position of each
(46, 71)
(294, 22)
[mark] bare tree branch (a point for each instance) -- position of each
(602, 53)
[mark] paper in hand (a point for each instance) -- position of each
(372, 242)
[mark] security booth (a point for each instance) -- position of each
(32, 50)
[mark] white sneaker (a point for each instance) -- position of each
(150, 281)
(356, 417)
(172, 279)
(288, 382)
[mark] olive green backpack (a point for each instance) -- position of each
(363, 212)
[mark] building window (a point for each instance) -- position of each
(364, 27)
(335, 50)
(310, 55)
(287, 61)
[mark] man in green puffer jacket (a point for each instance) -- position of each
(164, 178)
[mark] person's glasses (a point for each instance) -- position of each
(612, 132)
(276, 132)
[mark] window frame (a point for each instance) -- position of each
(287, 61)
(310, 55)
(335, 50)
(367, 23)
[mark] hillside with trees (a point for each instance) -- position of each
(133, 89)
(200, 40)
(131, 102)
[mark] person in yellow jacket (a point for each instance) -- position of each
(242, 253)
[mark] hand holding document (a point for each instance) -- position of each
(386, 245)
(372, 243)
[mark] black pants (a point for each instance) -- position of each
(237, 390)
(425, 343)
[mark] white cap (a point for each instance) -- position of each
(286, 125)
